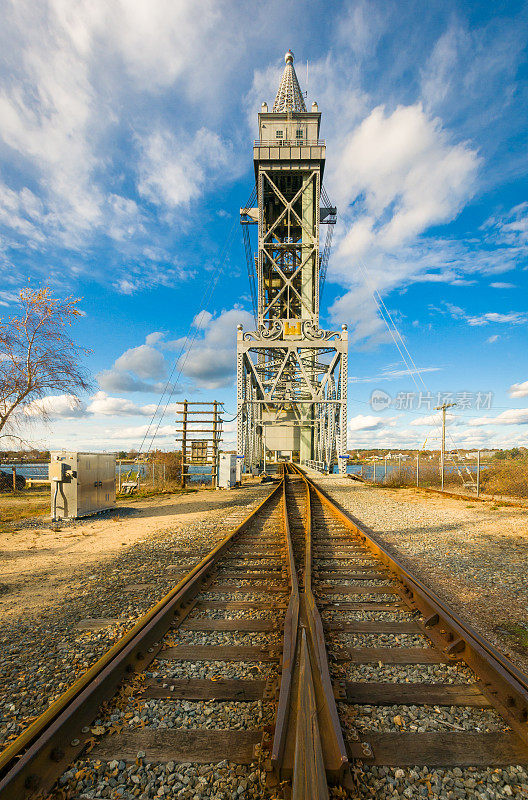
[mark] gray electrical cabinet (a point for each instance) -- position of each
(227, 471)
(81, 483)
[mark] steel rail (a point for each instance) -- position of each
(309, 773)
(307, 718)
(501, 682)
(335, 756)
(291, 625)
(31, 763)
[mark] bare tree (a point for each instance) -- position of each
(37, 355)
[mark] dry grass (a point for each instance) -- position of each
(509, 477)
(148, 490)
(406, 476)
(517, 634)
(36, 502)
(23, 505)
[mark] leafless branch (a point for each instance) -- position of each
(37, 354)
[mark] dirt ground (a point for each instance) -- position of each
(474, 555)
(38, 563)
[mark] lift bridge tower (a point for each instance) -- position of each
(291, 374)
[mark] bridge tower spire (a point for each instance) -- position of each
(289, 97)
(291, 375)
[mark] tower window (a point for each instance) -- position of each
(298, 134)
(279, 134)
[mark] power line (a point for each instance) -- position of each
(378, 300)
(189, 340)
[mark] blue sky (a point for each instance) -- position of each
(125, 155)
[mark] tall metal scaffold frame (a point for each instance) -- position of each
(200, 434)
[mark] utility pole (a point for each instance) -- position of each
(443, 408)
(184, 445)
(214, 468)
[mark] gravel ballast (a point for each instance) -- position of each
(423, 539)
(474, 557)
(43, 653)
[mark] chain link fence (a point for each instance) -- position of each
(470, 474)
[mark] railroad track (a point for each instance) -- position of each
(296, 656)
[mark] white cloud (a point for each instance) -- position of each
(65, 406)
(511, 318)
(136, 364)
(211, 362)
(470, 71)
(112, 380)
(145, 361)
(173, 172)
(493, 339)
(519, 389)
(369, 422)
(515, 230)
(154, 338)
(488, 318)
(163, 42)
(502, 285)
(84, 85)
(410, 174)
(392, 373)
(439, 73)
(397, 174)
(202, 319)
(135, 433)
(510, 228)
(103, 405)
(125, 285)
(513, 416)
(361, 27)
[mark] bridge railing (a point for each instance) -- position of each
(319, 466)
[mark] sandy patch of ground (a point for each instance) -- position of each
(39, 564)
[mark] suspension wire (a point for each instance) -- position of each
(250, 260)
(325, 259)
(378, 300)
(324, 195)
(425, 387)
(189, 340)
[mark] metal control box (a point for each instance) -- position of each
(81, 483)
(227, 471)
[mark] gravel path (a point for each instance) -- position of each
(473, 556)
(89, 778)
(43, 653)
(384, 783)
(423, 538)
(115, 779)
(419, 719)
